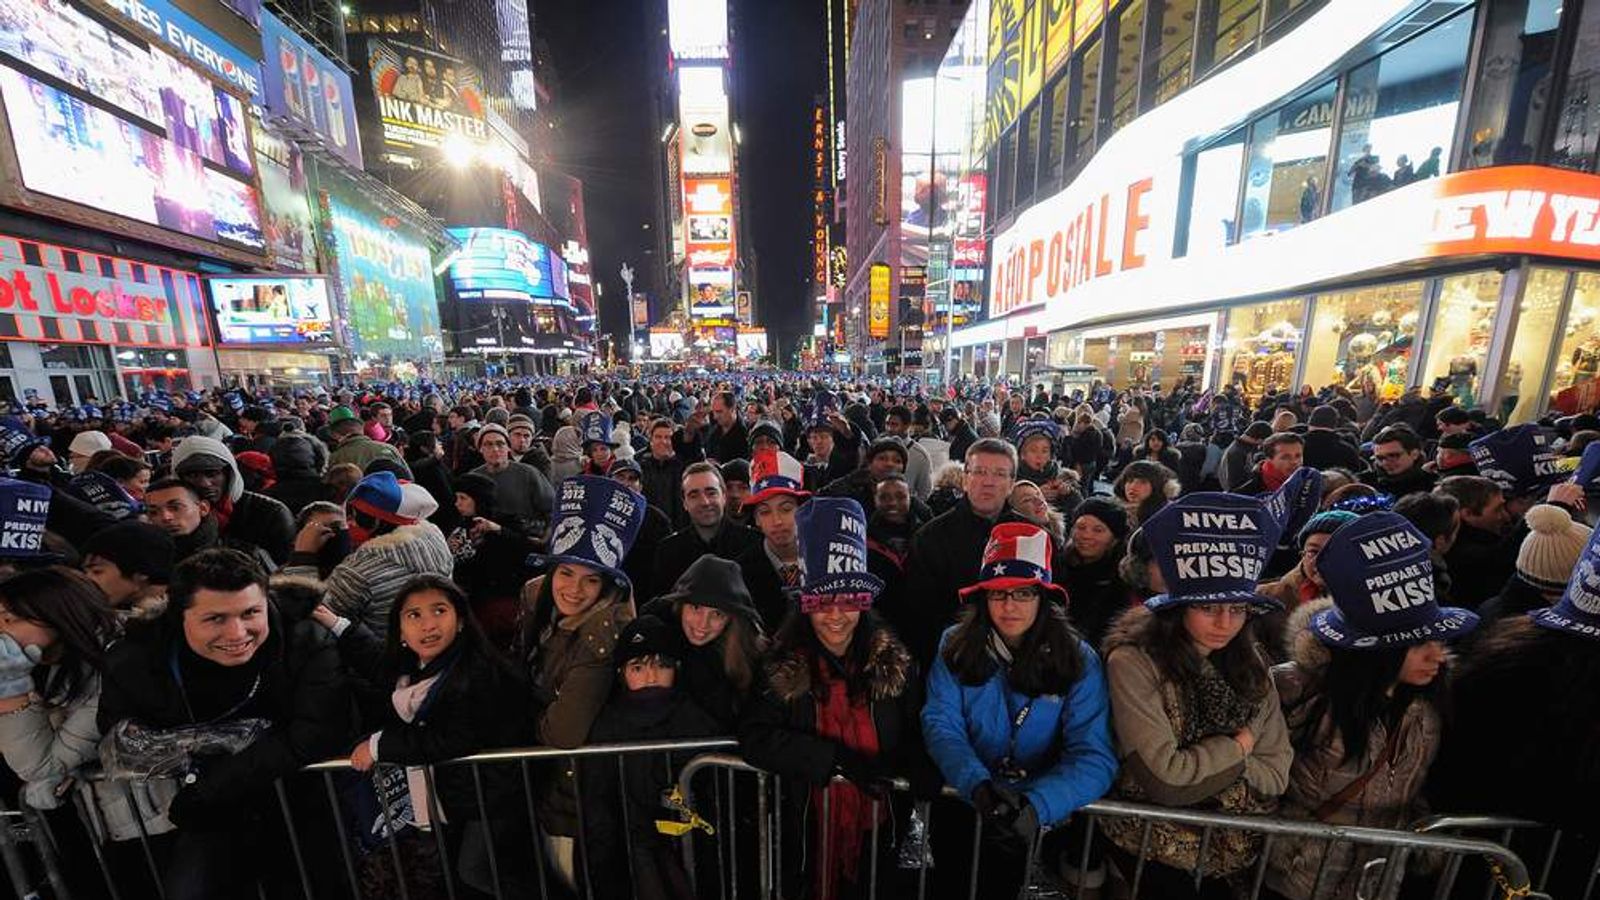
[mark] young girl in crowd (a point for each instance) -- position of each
(722, 639)
(622, 803)
(1016, 715)
(445, 692)
(1194, 711)
(1363, 697)
(572, 619)
(1088, 570)
(1144, 487)
(842, 699)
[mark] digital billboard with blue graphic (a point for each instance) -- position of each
(500, 264)
(307, 87)
(386, 276)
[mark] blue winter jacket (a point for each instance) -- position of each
(1064, 744)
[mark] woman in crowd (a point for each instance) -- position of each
(1028, 501)
(1144, 487)
(445, 692)
(1011, 650)
(1300, 585)
(1196, 717)
(1157, 448)
(572, 619)
(621, 808)
(723, 643)
(1363, 697)
(842, 699)
(1088, 569)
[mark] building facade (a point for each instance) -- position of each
(1380, 194)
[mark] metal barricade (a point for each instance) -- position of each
(1568, 863)
(404, 847)
(1380, 877)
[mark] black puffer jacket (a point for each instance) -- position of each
(1095, 591)
(299, 479)
(302, 690)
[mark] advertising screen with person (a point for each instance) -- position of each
(272, 309)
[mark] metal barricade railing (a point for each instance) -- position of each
(744, 808)
(1387, 872)
(1568, 863)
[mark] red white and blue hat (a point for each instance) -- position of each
(1379, 571)
(1578, 610)
(1211, 548)
(833, 554)
(775, 473)
(597, 521)
(1017, 555)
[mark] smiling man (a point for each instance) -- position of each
(224, 655)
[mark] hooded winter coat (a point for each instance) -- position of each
(299, 483)
(1389, 799)
(1063, 743)
(252, 518)
(362, 450)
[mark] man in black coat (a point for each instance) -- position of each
(1236, 460)
(662, 472)
(1484, 555)
(1398, 463)
(711, 529)
(224, 652)
(959, 432)
(947, 553)
(727, 438)
(1326, 447)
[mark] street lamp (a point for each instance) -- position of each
(627, 306)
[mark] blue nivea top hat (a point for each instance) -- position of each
(1378, 570)
(1519, 459)
(597, 521)
(1578, 610)
(1211, 548)
(596, 429)
(833, 554)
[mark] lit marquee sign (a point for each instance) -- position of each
(819, 196)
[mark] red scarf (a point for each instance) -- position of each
(1270, 479)
(849, 722)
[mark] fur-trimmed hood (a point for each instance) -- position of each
(889, 669)
(1310, 654)
(1127, 630)
(296, 595)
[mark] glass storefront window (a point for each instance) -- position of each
(1163, 358)
(1262, 342)
(1578, 359)
(1364, 339)
(1288, 162)
(1509, 101)
(1283, 15)
(1400, 114)
(1086, 96)
(1054, 139)
(1168, 67)
(1458, 336)
(1027, 153)
(1215, 196)
(1578, 131)
(1125, 81)
(1532, 339)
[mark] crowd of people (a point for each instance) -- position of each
(1315, 607)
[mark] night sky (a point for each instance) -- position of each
(604, 138)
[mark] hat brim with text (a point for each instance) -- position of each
(1578, 610)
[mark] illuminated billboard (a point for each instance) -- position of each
(878, 301)
(703, 120)
(69, 149)
(186, 36)
(308, 88)
(698, 29)
(708, 220)
(386, 276)
(285, 203)
(711, 292)
(500, 264)
(425, 98)
(271, 309)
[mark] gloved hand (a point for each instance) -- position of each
(44, 794)
(997, 803)
(859, 769)
(16, 667)
(1023, 828)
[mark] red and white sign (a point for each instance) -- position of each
(708, 222)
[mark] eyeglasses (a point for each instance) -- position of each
(987, 472)
(1014, 595)
(1218, 610)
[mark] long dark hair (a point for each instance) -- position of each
(797, 637)
(1172, 650)
(1047, 660)
(1356, 695)
(741, 644)
(71, 605)
(470, 645)
(544, 606)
